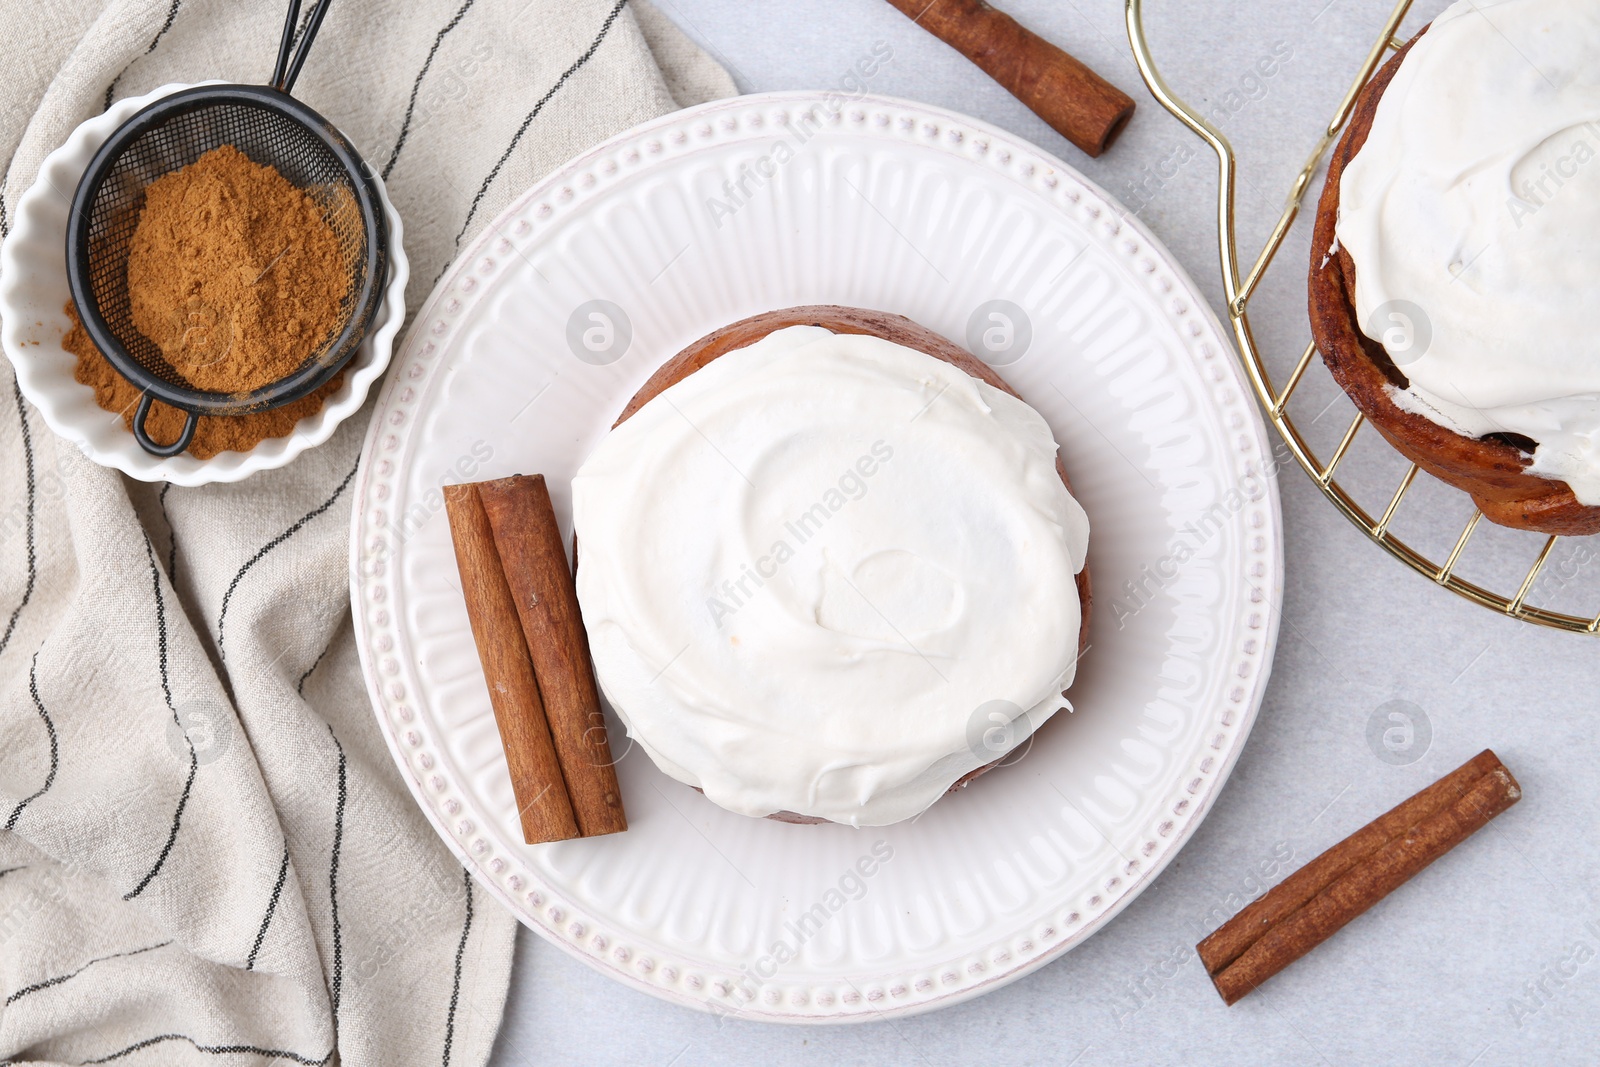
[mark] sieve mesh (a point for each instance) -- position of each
(268, 135)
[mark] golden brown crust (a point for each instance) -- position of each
(1491, 471)
(839, 319)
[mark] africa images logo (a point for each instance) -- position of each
(850, 886)
(734, 593)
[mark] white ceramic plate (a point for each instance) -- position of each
(914, 210)
(33, 292)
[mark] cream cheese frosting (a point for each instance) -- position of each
(830, 575)
(1472, 214)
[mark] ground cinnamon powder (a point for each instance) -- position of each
(234, 273)
(237, 277)
(213, 433)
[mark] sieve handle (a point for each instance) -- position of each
(287, 69)
(142, 435)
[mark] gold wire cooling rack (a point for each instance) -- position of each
(1239, 288)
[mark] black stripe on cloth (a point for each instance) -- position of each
(222, 616)
(172, 13)
(411, 105)
(33, 499)
(299, 31)
(214, 1050)
(588, 54)
(272, 906)
(300, 686)
(55, 755)
(333, 883)
(12, 870)
(455, 987)
(5, 216)
(172, 540)
(48, 982)
(166, 690)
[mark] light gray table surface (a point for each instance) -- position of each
(1490, 957)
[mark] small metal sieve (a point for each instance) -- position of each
(271, 127)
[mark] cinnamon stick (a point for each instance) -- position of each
(1312, 905)
(1077, 103)
(542, 804)
(1230, 941)
(529, 542)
